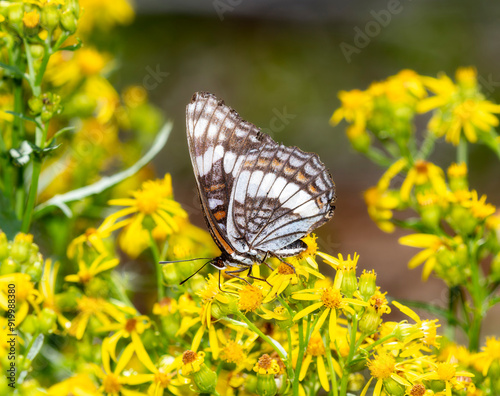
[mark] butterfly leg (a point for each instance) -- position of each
(221, 289)
(263, 261)
(232, 274)
(284, 262)
(249, 275)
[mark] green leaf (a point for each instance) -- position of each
(14, 70)
(32, 354)
(74, 47)
(24, 117)
(61, 132)
(62, 200)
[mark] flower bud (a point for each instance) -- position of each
(367, 285)
(393, 388)
(31, 22)
(15, 15)
(462, 220)
(35, 270)
(266, 385)
(50, 17)
(35, 104)
(370, 321)
(30, 325)
(349, 283)
(47, 320)
(193, 366)
(69, 21)
(21, 247)
(37, 51)
(9, 266)
(170, 275)
(356, 382)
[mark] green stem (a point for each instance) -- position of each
(462, 151)
(28, 213)
(295, 386)
(353, 326)
(159, 272)
(334, 391)
(427, 146)
(251, 325)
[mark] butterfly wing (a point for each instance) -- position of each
(219, 142)
(280, 195)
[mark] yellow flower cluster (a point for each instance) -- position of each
(261, 339)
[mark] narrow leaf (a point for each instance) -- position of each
(24, 117)
(13, 69)
(107, 182)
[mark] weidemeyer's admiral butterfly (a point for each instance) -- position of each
(259, 198)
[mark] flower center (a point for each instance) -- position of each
(189, 357)
(446, 371)
(130, 325)
(147, 201)
(111, 384)
(284, 269)
(265, 361)
(233, 352)
(382, 366)
(250, 298)
(417, 390)
(331, 298)
(163, 378)
(316, 346)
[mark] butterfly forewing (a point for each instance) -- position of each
(219, 141)
(257, 196)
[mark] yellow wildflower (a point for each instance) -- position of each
(31, 19)
(432, 243)
(153, 201)
(330, 299)
(26, 294)
(316, 349)
(86, 274)
(425, 175)
(356, 107)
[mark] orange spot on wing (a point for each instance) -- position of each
(312, 189)
(220, 215)
(289, 170)
(214, 188)
(301, 177)
(276, 162)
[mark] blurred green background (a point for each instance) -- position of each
(267, 59)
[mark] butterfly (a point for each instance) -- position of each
(259, 198)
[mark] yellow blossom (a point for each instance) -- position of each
(250, 298)
(153, 201)
(316, 349)
(424, 174)
(26, 294)
(356, 107)
(87, 273)
(31, 19)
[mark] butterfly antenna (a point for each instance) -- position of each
(183, 261)
(198, 270)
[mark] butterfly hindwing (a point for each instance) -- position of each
(281, 194)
